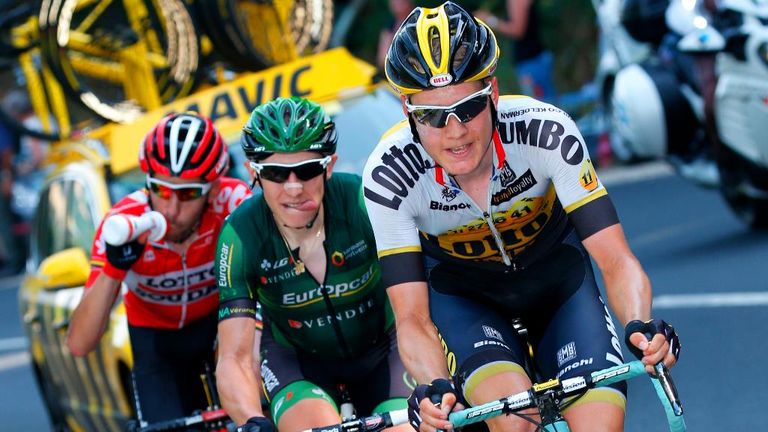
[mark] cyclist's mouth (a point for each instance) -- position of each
(460, 151)
(303, 206)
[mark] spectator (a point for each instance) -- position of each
(399, 9)
(532, 61)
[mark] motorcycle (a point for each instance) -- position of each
(658, 109)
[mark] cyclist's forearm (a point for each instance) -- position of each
(629, 291)
(90, 318)
(420, 350)
(238, 386)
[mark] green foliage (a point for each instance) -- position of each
(568, 29)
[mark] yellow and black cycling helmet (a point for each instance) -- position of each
(440, 46)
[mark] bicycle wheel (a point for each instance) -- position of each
(268, 32)
(119, 58)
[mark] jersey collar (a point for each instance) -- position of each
(444, 179)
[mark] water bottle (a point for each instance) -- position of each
(120, 229)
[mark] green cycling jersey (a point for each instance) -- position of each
(342, 316)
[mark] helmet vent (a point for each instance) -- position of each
(434, 45)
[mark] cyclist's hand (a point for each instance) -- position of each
(653, 341)
(121, 258)
(429, 406)
(257, 424)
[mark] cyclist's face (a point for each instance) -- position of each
(182, 215)
(458, 147)
(294, 202)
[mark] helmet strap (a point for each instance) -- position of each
(414, 132)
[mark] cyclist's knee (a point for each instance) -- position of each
(599, 410)
(305, 399)
(473, 381)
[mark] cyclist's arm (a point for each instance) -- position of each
(628, 289)
(417, 339)
(238, 383)
(89, 320)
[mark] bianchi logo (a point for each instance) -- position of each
(266, 265)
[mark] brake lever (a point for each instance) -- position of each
(662, 373)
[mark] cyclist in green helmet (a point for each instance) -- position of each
(302, 253)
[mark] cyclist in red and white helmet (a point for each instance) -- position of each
(172, 296)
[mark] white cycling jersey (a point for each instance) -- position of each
(542, 174)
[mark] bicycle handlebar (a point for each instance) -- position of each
(575, 386)
(373, 423)
(183, 422)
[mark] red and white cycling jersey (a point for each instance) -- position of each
(167, 289)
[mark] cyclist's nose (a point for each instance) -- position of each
(293, 186)
(454, 127)
(172, 207)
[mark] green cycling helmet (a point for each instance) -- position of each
(288, 125)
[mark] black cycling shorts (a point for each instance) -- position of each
(375, 377)
(557, 300)
(166, 367)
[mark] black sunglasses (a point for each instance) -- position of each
(279, 173)
(464, 110)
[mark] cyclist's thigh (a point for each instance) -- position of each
(384, 385)
(155, 377)
(581, 338)
(285, 382)
(478, 341)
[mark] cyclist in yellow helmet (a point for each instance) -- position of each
(486, 209)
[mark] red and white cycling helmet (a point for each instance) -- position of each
(184, 145)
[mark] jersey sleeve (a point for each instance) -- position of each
(578, 187)
(394, 225)
(236, 298)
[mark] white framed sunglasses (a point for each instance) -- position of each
(279, 173)
(464, 110)
(183, 191)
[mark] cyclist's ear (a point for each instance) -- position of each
(329, 168)
(214, 192)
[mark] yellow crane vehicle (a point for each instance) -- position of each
(91, 173)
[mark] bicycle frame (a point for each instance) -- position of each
(546, 396)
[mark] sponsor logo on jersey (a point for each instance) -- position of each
(449, 194)
(545, 134)
(337, 259)
(326, 320)
(294, 324)
(293, 299)
(398, 174)
(149, 255)
(587, 176)
(435, 205)
(492, 333)
(224, 256)
(506, 176)
(441, 80)
(522, 184)
(177, 298)
(566, 353)
(177, 279)
(614, 357)
(356, 249)
(266, 265)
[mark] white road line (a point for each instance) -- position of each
(634, 173)
(10, 282)
(13, 344)
(687, 301)
(13, 360)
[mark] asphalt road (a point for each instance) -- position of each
(710, 278)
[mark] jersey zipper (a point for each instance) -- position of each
(494, 232)
(185, 294)
(329, 306)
